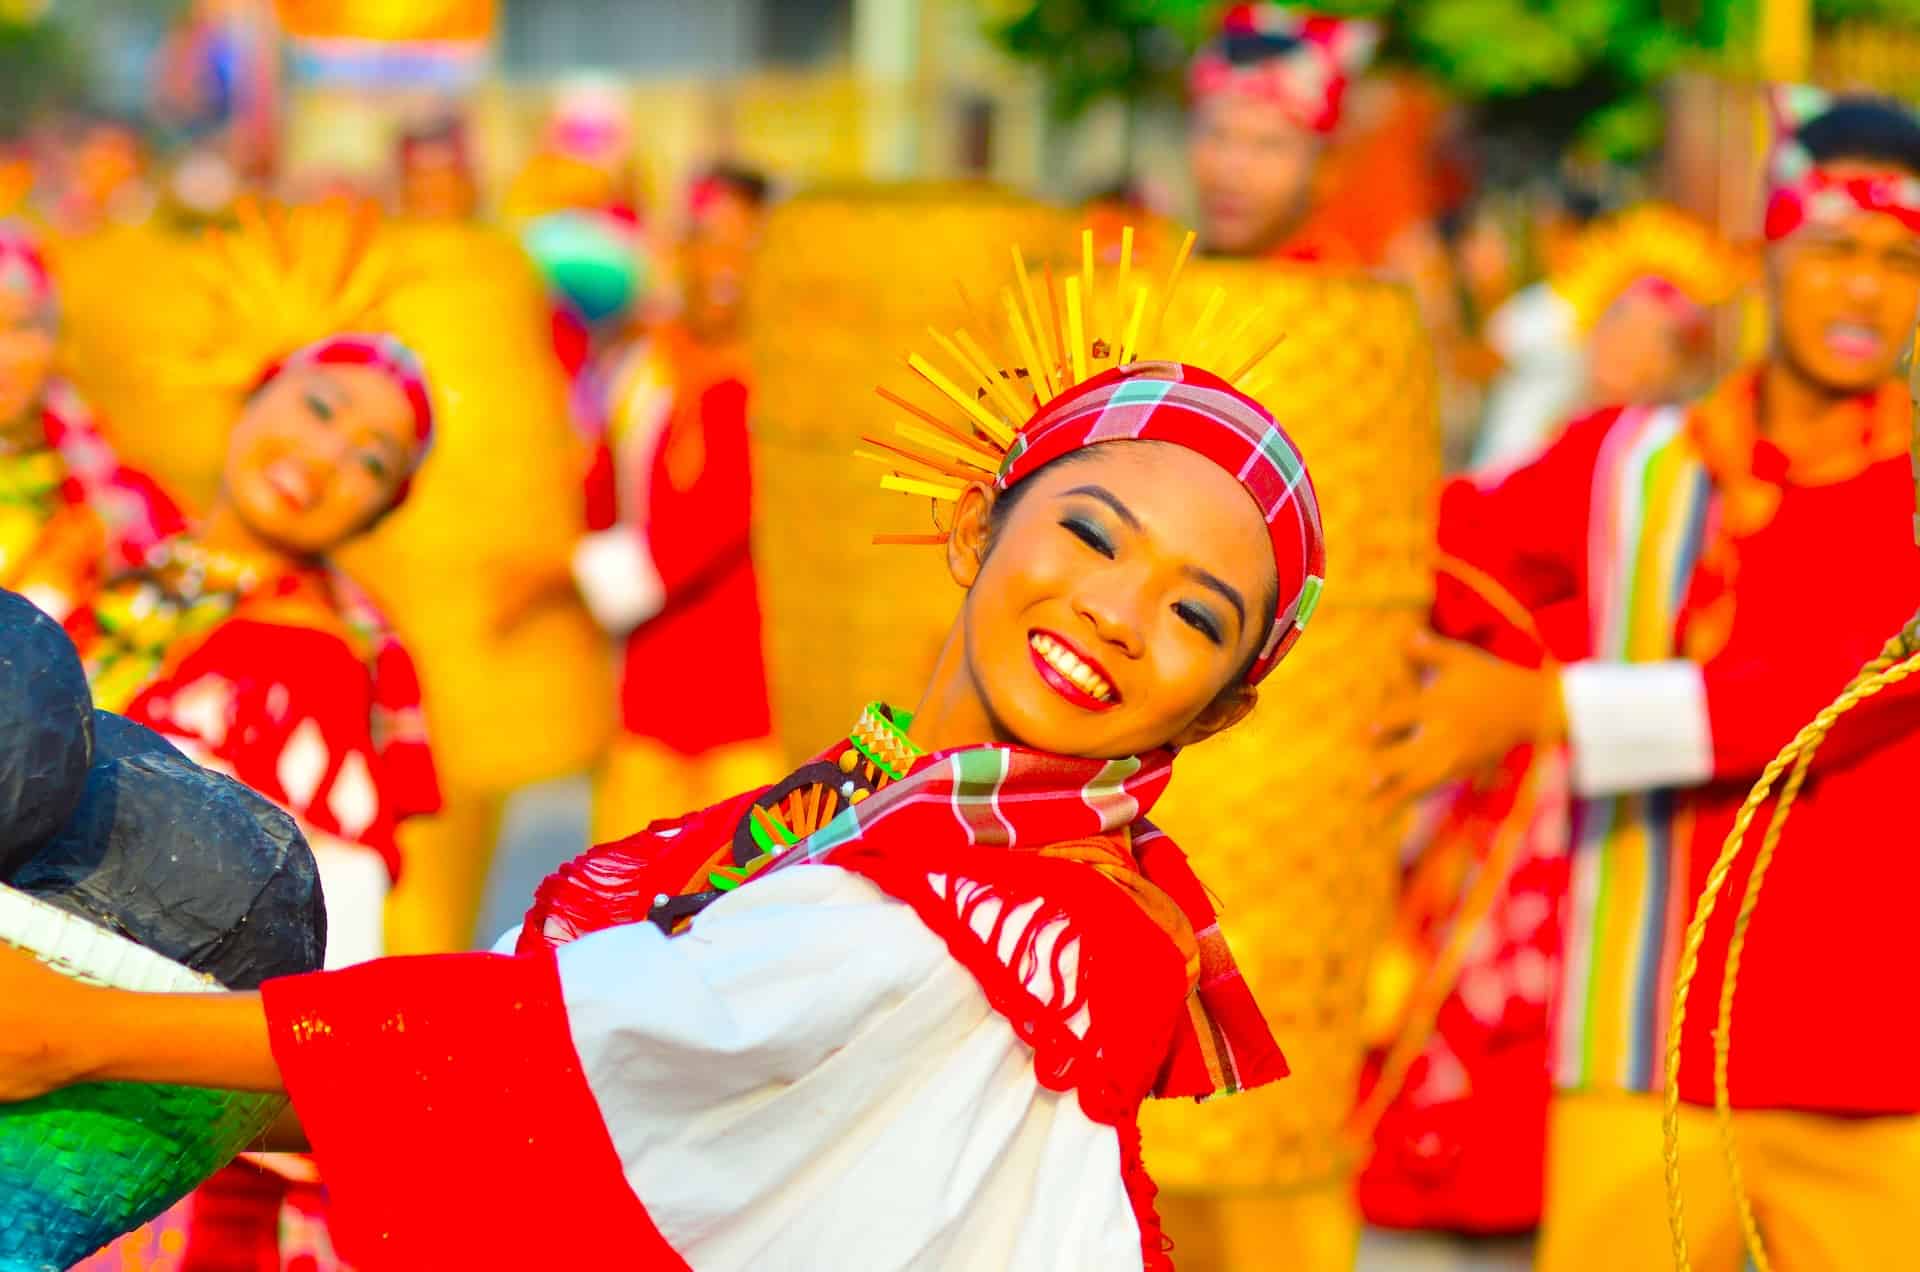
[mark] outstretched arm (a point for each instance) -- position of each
(55, 1031)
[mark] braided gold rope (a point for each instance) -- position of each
(1897, 662)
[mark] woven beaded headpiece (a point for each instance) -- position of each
(1074, 383)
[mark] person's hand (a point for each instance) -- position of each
(1467, 710)
(41, 1012)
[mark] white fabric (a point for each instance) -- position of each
(1636, 726)
(354, 880)
(807, 1080)
(617, 579)
(1546, 374)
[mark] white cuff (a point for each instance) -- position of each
(1636, 726)
(616, 576)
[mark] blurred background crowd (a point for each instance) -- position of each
(652, 256)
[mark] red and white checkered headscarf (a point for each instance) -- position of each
(1294, 59)
(1173, 402)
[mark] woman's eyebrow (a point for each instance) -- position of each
(1220, 585)
(1112, 501)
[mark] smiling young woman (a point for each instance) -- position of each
(902, 1007)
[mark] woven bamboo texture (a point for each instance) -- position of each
(848, 283)
(1275, 812)
(499, 494)
(83, 1165)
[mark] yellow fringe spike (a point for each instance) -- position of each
(1196, 340)
(1025, 340)
(1042, 369)
(1265, 351)
(992, 424)
(945, 446)
(1132, 339)
(1173, 283)
(999, 387)
(917, 486)
(1076, 336)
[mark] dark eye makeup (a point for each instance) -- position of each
(1200, 620)
(321, 408)
(1090, 534)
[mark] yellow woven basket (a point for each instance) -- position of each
(1276, 812)
(847, 284)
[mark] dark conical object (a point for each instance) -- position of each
(46, 729)
(188, 863)
(115, 738)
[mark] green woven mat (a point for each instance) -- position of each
(83, 1165)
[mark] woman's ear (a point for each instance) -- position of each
(972, 533)
(1227, 709)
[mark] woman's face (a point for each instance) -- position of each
(1844, 295)
(1253, 171)
(319, 454)
(26, 360)
(1639, 351)
(1118, 603)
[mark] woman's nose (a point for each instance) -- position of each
(1113, 613)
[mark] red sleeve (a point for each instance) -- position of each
(602, 488)
(1757, 703)
(436, 1089)
(706, 527)
(1528, 530)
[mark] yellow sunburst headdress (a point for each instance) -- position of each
(279, 280)
(1083, 361)
(1650, 241)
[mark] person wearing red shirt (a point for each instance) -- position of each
(1707, 579)
(668, 567)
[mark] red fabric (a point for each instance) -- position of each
(696, 523)
(1818, 589)
(301, 691)
(1043, 800)
(1813, 1025)
(1301, 62)
(477, 1068)
(1462, 1147)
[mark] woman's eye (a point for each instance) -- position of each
(1089, 534)
(1198, 619)
(319, 406)
(375, 465)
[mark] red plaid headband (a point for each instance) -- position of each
(23, 270)
(1800, 192)
(1301, 62)
(1172, 402)
(380, 353)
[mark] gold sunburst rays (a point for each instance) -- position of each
(1052, 334)
(278, 279)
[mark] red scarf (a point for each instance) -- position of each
(1029, 803)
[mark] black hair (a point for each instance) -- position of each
(1010, 498)
(1874, 130)
(749, 183)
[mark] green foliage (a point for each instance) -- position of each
(39, 66)
(1090, 50)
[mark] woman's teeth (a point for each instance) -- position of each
(1081, 676)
